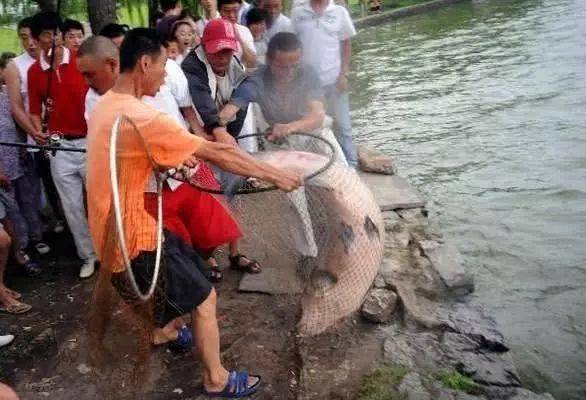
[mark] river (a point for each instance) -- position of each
(483, 106)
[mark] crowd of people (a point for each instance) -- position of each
(237, 69)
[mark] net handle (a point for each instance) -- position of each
(118, 213)
(307, 177)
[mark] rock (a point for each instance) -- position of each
(392, 221)
(379, 282)
(524, 394)
(471, 320)
(481, 365)
(450, 394)
(412, 387)
(371, 160)
(413, 350)
(379, 305)
(392, 192)
(447, 262)
(83, 369)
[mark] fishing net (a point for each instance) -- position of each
(330, 231)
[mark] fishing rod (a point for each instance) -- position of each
(51, 62)
(52, 147)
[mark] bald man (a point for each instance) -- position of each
(98, 61)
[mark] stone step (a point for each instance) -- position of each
(392, 192)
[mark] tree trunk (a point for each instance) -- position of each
(153, 7)
(101, 12)
(47, 5)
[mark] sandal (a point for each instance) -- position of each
(13, 293)
(250, 266)
(236, 387)
(216, 274)
(16, 308)
(184, 341)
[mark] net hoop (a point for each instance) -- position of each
(118, 213)
(328, 164)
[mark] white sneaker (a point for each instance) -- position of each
(88, 268)
(59, 227)
(6, 340)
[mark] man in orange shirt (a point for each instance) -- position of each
(142, 72)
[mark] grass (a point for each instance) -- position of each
(381, 384)
(456, 381)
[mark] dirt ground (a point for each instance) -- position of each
(50, 357)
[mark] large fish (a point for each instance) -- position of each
(347, 226)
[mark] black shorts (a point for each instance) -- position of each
(183, 280)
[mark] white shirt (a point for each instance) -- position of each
(246, 37)
(243, 11)
(23, 62)
(173, 94)
(91, 99)
(281, 24)
(321, 36)
(201, 23)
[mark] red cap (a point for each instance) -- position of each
(219, 35)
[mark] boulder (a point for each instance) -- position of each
(379, 305)
(392, 221)
(371, 160)
(477, 362)
(412, 387)
(447, 262)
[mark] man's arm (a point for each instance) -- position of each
(35, 101)
(247, 92)
(171, 145)
(234, 160)
(17, 106)
(310, 122)
(191, 118)
(346, 55)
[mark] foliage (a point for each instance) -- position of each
(456, 381)
(381, 384)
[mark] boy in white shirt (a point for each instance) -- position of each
(277, 21)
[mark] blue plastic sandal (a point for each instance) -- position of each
(184, 341)
(236, 387)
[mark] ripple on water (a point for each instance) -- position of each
(482, 105)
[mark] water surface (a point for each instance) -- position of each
(483, 105)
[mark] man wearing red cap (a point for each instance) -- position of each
(213, 72)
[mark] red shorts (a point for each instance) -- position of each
(196, 217)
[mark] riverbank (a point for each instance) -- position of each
(415, 326)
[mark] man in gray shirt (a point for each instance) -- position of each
(289, 93)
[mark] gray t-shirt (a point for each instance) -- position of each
(280, 106)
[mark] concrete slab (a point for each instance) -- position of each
(392, 192)
(272, 280)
